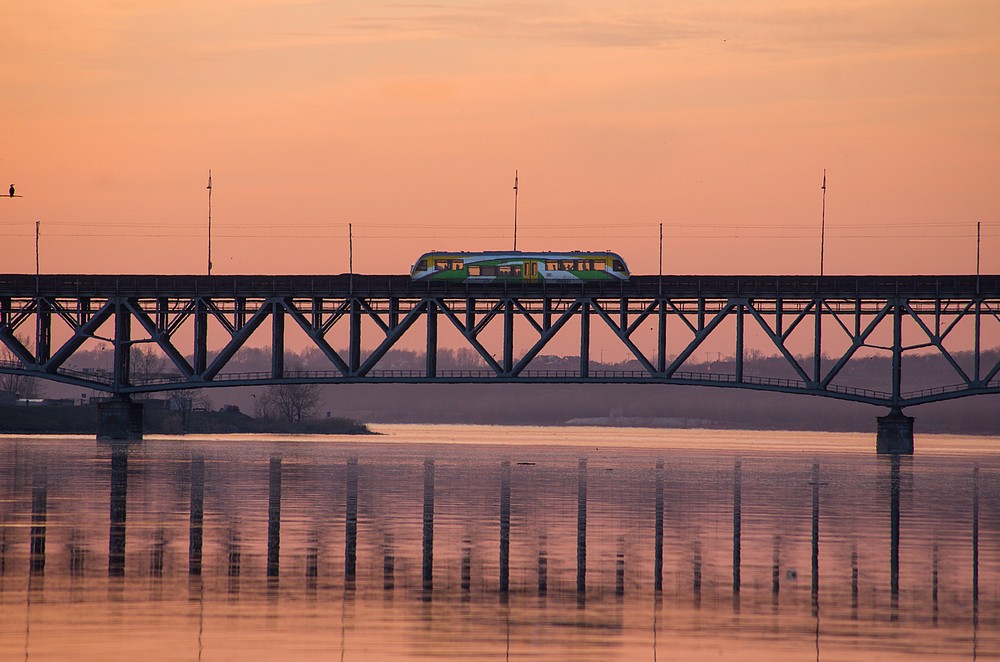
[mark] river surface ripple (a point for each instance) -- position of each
(476, 542)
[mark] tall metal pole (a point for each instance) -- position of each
(209, 222)
(350, 254)
(661, 258)
(515, 210)
(979, 240)
(38, 226)
(822, 231)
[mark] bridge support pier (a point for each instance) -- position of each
(895, 434)
(119, 419)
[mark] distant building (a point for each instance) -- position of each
(46, 402)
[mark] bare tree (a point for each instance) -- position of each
(196, 400)
(289, 402)
(144, 364)
(21, 384)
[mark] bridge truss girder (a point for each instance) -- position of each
(167, 321)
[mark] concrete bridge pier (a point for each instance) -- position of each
(895, 434)
(119, 419)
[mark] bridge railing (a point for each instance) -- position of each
(104, 378)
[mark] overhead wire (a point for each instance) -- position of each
(396, 231)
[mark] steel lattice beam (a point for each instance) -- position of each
(44, 323)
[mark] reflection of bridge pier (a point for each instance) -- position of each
(894, 535)
(351, 525)
(274, 516)
(543, 565)
(658, 545)
(196, 532)
(388, 564)
(466, 580)
(119, 508)
(428, 535)
(975, 559)
(737, 530)
(775, 569)
(39, 515)
(581, 529)
(234, 560)
(814, 590)
(696, 573)
(854, 580)
(504, 525)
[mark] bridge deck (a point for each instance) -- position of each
(73, 285)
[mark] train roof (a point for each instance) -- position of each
(523, 253)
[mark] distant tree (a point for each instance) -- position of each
(289, 402)
(190, 400)
(295, 402)
(21, 384)
(145, 364)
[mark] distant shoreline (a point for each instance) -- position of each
(55, 419)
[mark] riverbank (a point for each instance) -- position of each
(50, 419)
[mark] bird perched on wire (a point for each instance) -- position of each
(12, 190)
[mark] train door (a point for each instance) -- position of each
(530, 270)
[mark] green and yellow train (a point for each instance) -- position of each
(519, 266)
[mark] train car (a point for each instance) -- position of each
(517, 266)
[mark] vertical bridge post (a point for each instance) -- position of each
(894, 433)
(120, 419)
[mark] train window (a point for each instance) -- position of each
(422, 265)
(599, 265)
(474, 270)
(489, 271)
(510, 270)
(618, 266)
(552, 265)
(458, 265)
(567, 265)
(585, 265)
(440, 265)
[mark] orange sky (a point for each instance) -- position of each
(408, 121)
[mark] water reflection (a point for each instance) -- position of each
(737, 530)
(814, 592)
(274, 516)
(39, 508)
(351, 525)
(975, 561)
(195, 536)
(658, 548)
(581, 530)
(504, 526)
(894, 534)
(466, 526)
(428, 540)
(119, 509)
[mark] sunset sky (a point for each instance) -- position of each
(408, 120)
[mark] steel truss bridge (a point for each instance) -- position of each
(818, 326)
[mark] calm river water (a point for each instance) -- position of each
(465, 542)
